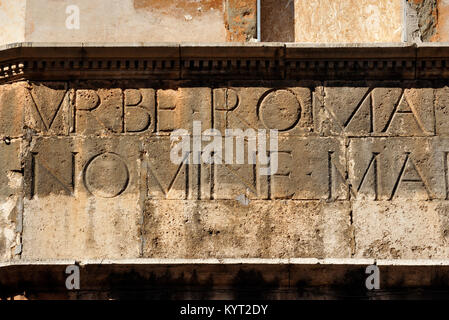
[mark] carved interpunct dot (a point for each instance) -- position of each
(106, 175)
(280, 110)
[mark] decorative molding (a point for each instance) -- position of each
(252, 61)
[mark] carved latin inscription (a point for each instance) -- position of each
(340, 141)
(99, 167)
(106, 175)
(379, 111)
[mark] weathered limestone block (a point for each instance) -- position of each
(99, 111)
(11, 201)
(12, 98)
(311, 168)
(105, 109)
(167, 180)
(320, 174)
(381, 109)
(47, 108)
(99, 180)
(288, 110)
(39, 108)
(178, 109)
(112, 110)
(82, 198)
(139, 110)
(442, 110)
(256, 229)
(401, 229)
(406, 168)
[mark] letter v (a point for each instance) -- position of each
(47, 102)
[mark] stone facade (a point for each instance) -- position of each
(362, 163)
(86, 169)
(97, 174)
(361, 171)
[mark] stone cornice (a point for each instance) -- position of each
(223, 61)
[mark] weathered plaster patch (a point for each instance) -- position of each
(348, 21)
(425, 12)
(241, 20)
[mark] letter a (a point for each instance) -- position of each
(372, 282)
(73, 20)
(73, 280)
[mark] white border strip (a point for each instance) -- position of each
(293, 261)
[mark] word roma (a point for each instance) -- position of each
(240, 309)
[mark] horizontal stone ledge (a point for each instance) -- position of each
(277, 50)
(225, 279)
(232, 261)
(51, 61)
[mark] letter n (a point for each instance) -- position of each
(50, 176)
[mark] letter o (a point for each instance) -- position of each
(106, 175)
(279, 109)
